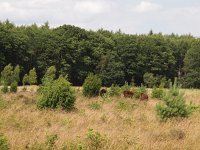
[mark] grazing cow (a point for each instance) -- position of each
(128, 94)
(143, 97)
(103, 92)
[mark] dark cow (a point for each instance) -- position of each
(144, 97)
(128, 94)
(103, 92)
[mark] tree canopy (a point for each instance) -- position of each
(115, 56)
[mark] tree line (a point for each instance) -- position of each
(115, 56)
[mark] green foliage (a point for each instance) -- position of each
(157, 93)
(3, 143)
(111, 69)
(51, 140)
(25, 80)
(192, 66)
(139, 90)
(57, 94)
(174, 105)
(95, 139)
(126, 87)
(5, 89)
(149, 80)
(7, 75)
(16, 73)
(92, 85)
(95, 105)
(50, 75)
(13, 87)
(115, 56)
(114, 90)
(32, 77)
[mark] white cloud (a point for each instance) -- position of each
(146, 6)
(91, 7)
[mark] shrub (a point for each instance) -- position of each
(3, 143)
(57, 94)
(25, 79)
(50, 75)
(32, 77)
(157, 93)
(5, 89)
(174, 105)
(92, 85)
(114, 90)
(95, 139)
(7, 75)
(13, 87)
(126, 87)
(16, 73)
(139, 90)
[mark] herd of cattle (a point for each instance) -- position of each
(127, 94)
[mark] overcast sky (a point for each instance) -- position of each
(131, 16)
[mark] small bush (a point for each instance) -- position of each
(13, 87)
(92, 85)
(57, 94)
(157, 93)
(3, 143)
(5, 89)
(126, 87)
(174, 105)
(95, 139)
(114, 90)
(139, 90)
(95, 105)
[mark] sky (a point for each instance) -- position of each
(131, 16)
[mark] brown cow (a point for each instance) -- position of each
(103, 92)
(128, 94)
(144, 97)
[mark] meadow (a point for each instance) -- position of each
(107, 123)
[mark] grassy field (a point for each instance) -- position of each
(123, 124)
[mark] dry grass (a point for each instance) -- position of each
(133, 125)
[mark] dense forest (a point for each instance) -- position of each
(115, 56)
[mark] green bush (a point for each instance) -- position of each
(13, 87)
(174, 105)
(25, 80)
(157, 93)
(5, 89)
(114, 90)
(32, 77)
(92, 85)
(126, 87)
(139, 90)
(3, 143)
(57, 94)
(95, 139)
(50, 75)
